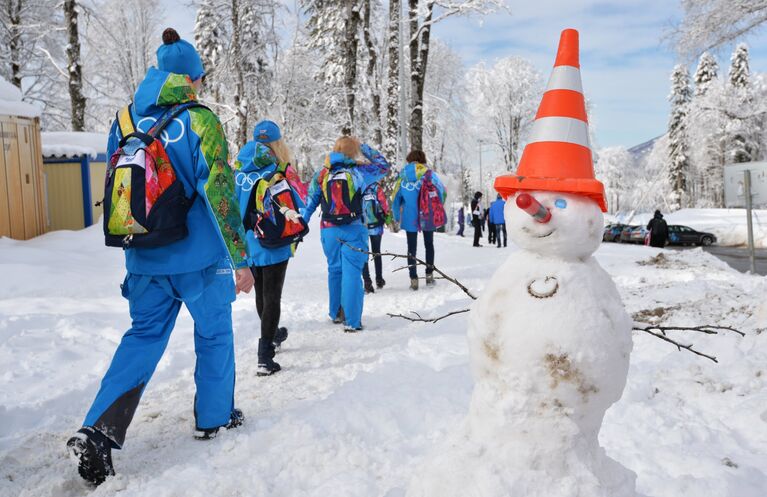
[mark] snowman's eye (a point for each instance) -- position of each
(560, 203)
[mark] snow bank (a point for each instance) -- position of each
(729, 225)
(70, 144)
(11, 103)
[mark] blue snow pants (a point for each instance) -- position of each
(345, 270)
(154, 303)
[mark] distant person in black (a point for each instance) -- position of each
(476, 217)
(658, 230)
(490, 227)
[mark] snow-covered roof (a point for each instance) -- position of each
(11, 104)
(70, 144)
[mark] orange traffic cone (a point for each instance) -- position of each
(558, 156)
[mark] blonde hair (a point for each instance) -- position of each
(349, 146)
(281, 151)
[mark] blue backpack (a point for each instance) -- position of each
(372, 210)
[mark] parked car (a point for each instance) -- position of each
(612, 232)
(684, 235)
(625, 236)
(638, 235)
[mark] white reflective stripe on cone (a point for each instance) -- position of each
(565, 78)
(560, 129)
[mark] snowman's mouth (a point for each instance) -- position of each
(531, 233)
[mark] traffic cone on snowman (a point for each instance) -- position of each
(549, 338)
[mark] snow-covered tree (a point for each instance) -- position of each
(421, 17)
(678, 146)
(709, 24)
(392, 126)
(615, 168)
(706, 73)
(503, 100)
(744, 128)
(210, 38)
(74, 65)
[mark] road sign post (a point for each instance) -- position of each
(749, 219)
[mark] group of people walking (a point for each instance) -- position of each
(491, 218)
(196, 232)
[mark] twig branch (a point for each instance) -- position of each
(678, 345)
(660, 332)
(418, 261)
(419, 319)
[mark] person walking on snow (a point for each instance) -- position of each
(407, 211)
(376, 213)
(490, 227)
(337, 189)
(476, 217)
(658, 230)
(262, 163)
(497, 219)
(195, 270)
(461, 221)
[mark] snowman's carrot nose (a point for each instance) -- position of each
(527, 203)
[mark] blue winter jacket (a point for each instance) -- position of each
(363, 175)
(405, 207)
(197, 149)
(254, 162)
(496, 211)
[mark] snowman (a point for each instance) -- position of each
(549, 338)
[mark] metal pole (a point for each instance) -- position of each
(749, 221)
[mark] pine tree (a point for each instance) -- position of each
(706, 73)
(739, 71)
(678, 149)
(744, 130)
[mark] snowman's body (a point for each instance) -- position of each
(550, 342)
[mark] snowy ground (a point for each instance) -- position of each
(352, 415)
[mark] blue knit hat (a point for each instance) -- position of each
(179, 56)
(267, 132)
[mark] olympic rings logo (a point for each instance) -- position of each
(245, 181)
(164, 136)
(411, 186)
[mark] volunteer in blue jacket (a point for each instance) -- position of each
(195, 270)
(498, 220)
(337, 188)
(376, 215)
(406, 211)
(267, 159)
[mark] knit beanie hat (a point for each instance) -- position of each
(179, 56)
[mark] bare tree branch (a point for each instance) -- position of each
(678, 345)
(418, 261)
(419, 319)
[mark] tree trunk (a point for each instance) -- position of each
(240, 101)
(351, 42)
(392, 88)
(14, 39)
(372, 80)
(74, 67)
(419, 58)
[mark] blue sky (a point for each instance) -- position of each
(625, 61)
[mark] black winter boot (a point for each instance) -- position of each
(235, 419)
(380, 283)
(369, 287)
(279, 336)
(266, 364)
(93, 452)
(340, 317)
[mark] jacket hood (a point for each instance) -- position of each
(658, 215)
(162, 89)
(337, 160)
(413, 171)
(254, 156)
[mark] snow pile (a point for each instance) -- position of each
(71, 144)
(353, 416)
(728, 225)
(550, 344)
(11, 103)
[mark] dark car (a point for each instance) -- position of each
(612, 232)
(684, 235)
(625, 236)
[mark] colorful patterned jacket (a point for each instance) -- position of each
(405, 208)
(363, 175)
(198, 151)
(256, 161)
(380, 197)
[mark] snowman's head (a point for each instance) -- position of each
(573, 231)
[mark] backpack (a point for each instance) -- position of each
(145, 204)
(262, 214)
(341, 203)
(431, 213)
(372, 210)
